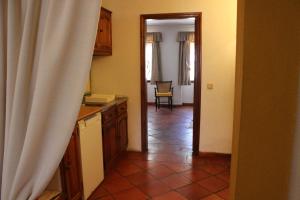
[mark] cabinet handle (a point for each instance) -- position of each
(101, 30)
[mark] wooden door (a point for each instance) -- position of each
(109, 143)
(122, 132)
(71, 169)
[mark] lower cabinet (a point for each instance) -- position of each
(109, 135)
(114, 133)
(114, 141)
(122, 127)
(70, 169)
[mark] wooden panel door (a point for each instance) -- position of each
(103, 45)
(122, 132)
(109, 133)
(71, 169)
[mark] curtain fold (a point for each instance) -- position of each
(45, 58)
(184, 39)
(155, 38)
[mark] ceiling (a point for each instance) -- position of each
(186, 21)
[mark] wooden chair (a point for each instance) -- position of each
(163, 89)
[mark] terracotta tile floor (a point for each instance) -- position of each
(168, 171)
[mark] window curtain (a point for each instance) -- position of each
(45, 57)
(155, 39)
(184, 39)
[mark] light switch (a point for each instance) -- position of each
(210, 86)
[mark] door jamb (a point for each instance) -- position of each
(197, 80)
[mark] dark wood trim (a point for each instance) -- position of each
(197, 79)
(184, 104)
(188, 104)
(144, 109)
(213, 154)
(197, 84)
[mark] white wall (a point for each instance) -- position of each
(120, 73)
(169, 59)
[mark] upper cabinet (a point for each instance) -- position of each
(103, 46)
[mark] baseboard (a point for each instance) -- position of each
(174, 105)
(188, 104)
(214, 154)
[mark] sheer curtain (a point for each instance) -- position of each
(184, 67)
(155, 38)
(45, 56)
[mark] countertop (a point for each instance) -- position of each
(86, 111)
(90, 109)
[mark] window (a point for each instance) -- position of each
(192, 61)
(148, 61)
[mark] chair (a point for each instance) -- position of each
(163, 89)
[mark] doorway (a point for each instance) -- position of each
(197, 75)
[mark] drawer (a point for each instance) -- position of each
(122, 108)
(109, 114)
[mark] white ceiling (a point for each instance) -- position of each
(187, 21)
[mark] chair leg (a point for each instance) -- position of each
(155, 103)
(171, 103)
(158, 99)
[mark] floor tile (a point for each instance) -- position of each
(105, 198)
(212, 197)
(98, 193)
(170, 196)
(146, 164)
(213, 184)
(213, 169)
(193, 191)
(140, 178)
(127, 169)
(225, 176)
(132, 193)
(161, 171)
(195, 175)
(178, 167)
(224, 194)
(176, 180)
(116, 185)
(154, 188)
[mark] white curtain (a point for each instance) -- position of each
(45, 57)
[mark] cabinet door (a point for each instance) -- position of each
(103, 45)
(109, 133)
(122, 132)
(71, 169)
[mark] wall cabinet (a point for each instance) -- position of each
(103, 45)
(70, 169)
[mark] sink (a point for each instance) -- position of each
(99, 98)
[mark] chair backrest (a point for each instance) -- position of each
(163, 86)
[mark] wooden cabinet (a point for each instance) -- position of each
(109, 135)
(114, 133)
(103, 45)
(70, 169)
(122, 132)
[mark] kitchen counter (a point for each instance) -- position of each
(90, 109)
(86, 111)
(106, 106)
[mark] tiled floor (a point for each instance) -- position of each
(168, 171)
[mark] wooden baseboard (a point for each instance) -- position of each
(214, 154)
(184, 104)
(188, 104)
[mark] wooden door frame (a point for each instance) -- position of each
(197, 81)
